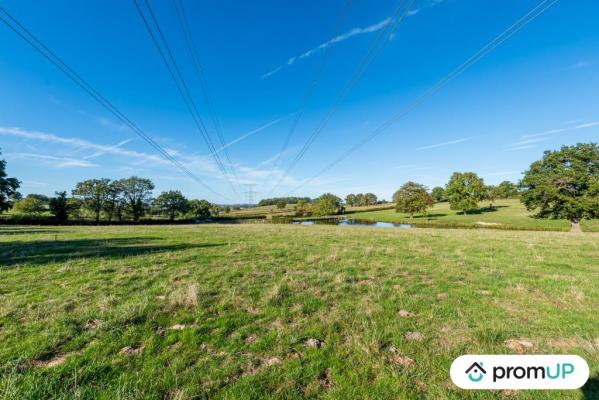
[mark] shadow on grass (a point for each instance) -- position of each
(49, 251)
(590, 390)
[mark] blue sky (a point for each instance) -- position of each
(536, 91)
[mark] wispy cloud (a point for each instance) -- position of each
(348, 35)
(252, 132)
(429, 4)
(528, 146)
(581, 64)
(560, 130)
(201, 164)
(337, 39)
(433, 146)
(57, 162)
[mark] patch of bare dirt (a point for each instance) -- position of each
(251, 338)
(441, 296)
(58, 359)
(252, 310)
(311, 342)
(91, 325)
(326, 379)
(131, 351)
(405, 314)
(416, 336)
(399, 359)
(520, 346)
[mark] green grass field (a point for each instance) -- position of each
(508, 214)
(283, 311)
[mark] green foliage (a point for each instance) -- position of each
(29, 205)
(288, 200)
(136, 194)
(171, 203)
(438, 194)
(200, 208)
(94, 193)
(303, 208)
(491, 193)
(59, 206)
(412, 198)
(350, 200)
(8, 188)
(564, 184)
(327, 204)
(507, 190)
(464, 191)
(361, 199)
(281, 203)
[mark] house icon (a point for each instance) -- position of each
(476, 372)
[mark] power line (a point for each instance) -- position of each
(181, 85)
(192, 48)
(310, 90)
(47, 53)
(376, 46)
(498, 40)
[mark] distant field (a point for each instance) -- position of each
(509, 214)
(282, 311)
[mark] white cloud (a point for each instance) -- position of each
(337, 39)
(250, 133)
(432, 146)
(57, 162)
(560, 130)
(348, 35)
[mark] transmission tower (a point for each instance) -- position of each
(250, 193)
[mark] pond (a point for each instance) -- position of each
(352, 222)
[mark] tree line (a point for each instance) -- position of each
(103, 199)
(564, 184)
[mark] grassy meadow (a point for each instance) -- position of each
(507, 214)
(282, 311)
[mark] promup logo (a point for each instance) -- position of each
(519, 372)
(476, 372)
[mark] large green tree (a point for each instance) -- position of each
(136, 195)
(94, 193)
(171, 203)
(464, 191)
(564, 184)
(350, 199)
(59, 206)
(507, 190)
(438, 194)
(8, 188)
(200, 208)
(31, 204)
(327, 204)
(369, 199)
(412, 198)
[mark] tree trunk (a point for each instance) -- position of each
(575, 226)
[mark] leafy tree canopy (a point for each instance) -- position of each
(201, 208)
(171, 203)
(564, 183)
(412, 198)
(464, 191)
(29, 205)
(327, 204)
(8, 188)
(438, 194)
